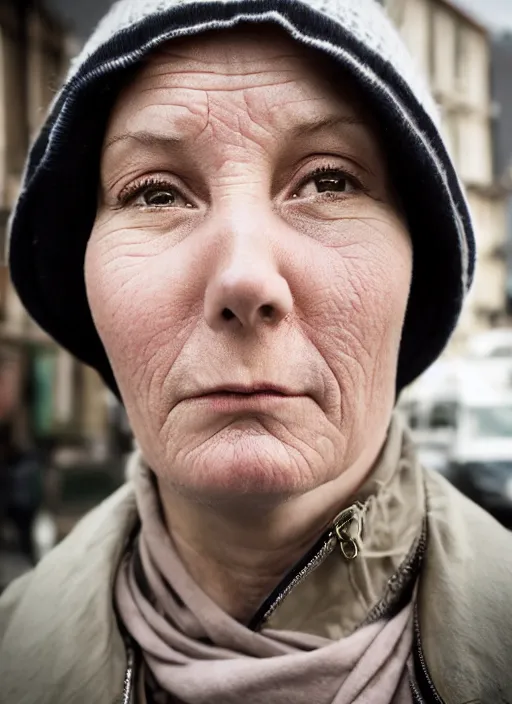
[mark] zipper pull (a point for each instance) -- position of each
(348, 526)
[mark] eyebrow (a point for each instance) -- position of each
(143, 137)
(307, 128)
(330, 122)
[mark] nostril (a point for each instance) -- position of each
(228, 314)
(267, 312)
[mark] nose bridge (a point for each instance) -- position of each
(246, 288)
(248, 238)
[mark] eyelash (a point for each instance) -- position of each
(133, 191)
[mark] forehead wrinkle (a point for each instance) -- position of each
(237, 60)
(184, 80)
(156, 140)
(261, 106)
(165, 128)
(234, 68)
(233, 53)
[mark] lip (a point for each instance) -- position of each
(235, 399)
(240, 397)
(249, 390)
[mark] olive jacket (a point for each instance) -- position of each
(60, 642)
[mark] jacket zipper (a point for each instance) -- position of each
(420, 667)
(346, 531)
(126, 697)
(416, 695)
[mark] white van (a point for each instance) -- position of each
(461, 420)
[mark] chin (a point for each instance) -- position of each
(253, 464)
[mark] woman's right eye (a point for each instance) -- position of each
(154, 194)
(158, 198)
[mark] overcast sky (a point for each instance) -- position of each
(496, 13)
(84, 14)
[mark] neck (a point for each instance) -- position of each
(239, 555)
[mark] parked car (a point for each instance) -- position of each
(461, 419)
(480, 461)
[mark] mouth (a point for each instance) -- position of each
(252, 390)
(235, 399)
(242, 399)
(244, 395)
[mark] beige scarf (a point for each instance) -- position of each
(198, 654)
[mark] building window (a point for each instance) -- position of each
(462, 57)
(458, 53)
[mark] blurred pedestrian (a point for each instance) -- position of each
(244, 216)
(4, 480)
(22, 487)
(24, 498)
(9, 401)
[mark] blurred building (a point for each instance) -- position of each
(454, 52)
(52, 397)
(502, 92)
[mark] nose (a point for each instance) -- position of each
(247, 290)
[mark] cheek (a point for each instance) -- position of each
(144, 313)
(355, 323)
(355, 320)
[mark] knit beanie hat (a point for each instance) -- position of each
(56, 209)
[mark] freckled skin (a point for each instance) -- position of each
(243, 228)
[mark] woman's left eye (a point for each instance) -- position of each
(326, 181)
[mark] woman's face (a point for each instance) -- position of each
(249, 267)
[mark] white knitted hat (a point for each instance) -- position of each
(56, 209)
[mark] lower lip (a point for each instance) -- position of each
(229, 403)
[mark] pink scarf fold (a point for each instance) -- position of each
(198, 654)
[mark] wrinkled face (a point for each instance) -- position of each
(249, 268)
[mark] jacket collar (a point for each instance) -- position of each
(340, 594)
(60, 641)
